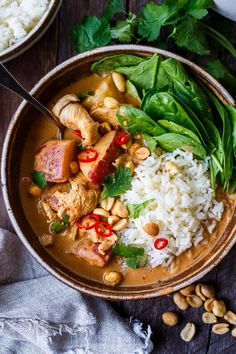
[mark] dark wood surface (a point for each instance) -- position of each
(52, 49)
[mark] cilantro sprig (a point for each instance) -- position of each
(117, 182)
(135, 210)
(59, 226)
(39, 179)
(134, 256)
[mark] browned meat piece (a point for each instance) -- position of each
(46, 240)
(53, 159)
(104, 114)
(49, 200)
(88, 250)
(74, 116)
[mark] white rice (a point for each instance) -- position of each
(182, 204)
(17, 18)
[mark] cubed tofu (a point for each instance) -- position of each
(53, 159)
(108, 151)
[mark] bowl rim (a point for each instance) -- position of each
(108, 293)
(34, 34)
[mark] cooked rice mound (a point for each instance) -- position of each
(183, 205)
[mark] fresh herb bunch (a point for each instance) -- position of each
(181, 23)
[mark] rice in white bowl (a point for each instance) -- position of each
(182, 204)
(17, 18)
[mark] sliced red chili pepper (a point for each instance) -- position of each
(77, 132)
(88, 155)
(160, 243)
(87, 226)
(121, 138)
(103, 229)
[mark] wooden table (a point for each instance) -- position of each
(52, 49)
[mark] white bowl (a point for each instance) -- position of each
(226, 8)
(34, 35)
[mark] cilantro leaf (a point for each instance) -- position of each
(91, 33)
(198, 8)
(82, 95)
(113, 7)
(124, 29)
(219, 71)
(39, 179)
(135, 210)
(117, 183)
(58, 226)
(122, 250)
(153, 17)
(134, 256)
(190, 35)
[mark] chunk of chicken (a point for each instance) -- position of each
(104, 114)
(72, 199)
(88, 250)
(74, 116)
(53, 159)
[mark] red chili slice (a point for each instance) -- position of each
(88, 155)
(87, 226)
(77, 132)
(160, 243)
(121, 138)
(103, 229)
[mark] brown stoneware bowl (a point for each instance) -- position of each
(48, 87)
(34, 35)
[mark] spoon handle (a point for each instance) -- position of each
(9, 82)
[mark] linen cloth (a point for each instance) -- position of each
(39, 314)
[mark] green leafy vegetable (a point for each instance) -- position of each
(113, 7)
(39, 179)
(232, 114)
(133, 120)
(198, 8)
(142, 75)
(124, 30)
(132, 91)
(172, 127)
(82, 95)
(117, 183)
(220, 72)
(135, 210)
(114, 61)
(59, 226)
(190, 35)
(150, 142)
(172, 141)
(91, 33)
(134, 255)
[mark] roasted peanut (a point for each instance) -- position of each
(188, 290)
(128, 144)
(137, 136)
(74, 167)
(112, 219)
(112, 278)
(119, 81)
(101, 212)
(188, 332)
(130, 165)
(107, 203)
(170, 318)
(142, 153)
(46, 240)
(158, 151)
(171, 168)
(220, 328)
(120, 209)
(233, 332)
(120, 225)
(110, 102)
(219, 308)
(104, 128)
(209, 318)
(208, 304)
(194, 301)
(208, 291)
(35, 191)
(198, 291)
(151, 228)
(134, 147)
(180, 301)
(230, 316)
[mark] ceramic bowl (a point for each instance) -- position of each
(48, 86)
(34, 35)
